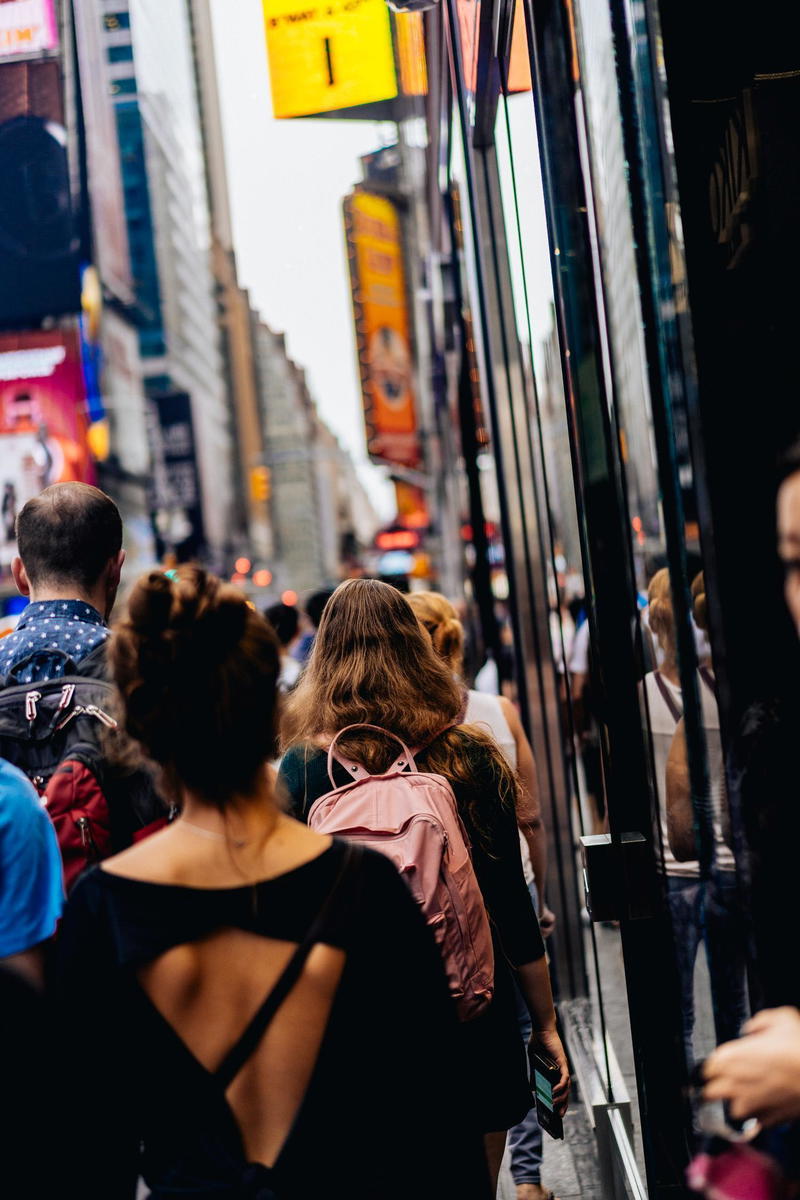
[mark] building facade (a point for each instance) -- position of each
(152, 81)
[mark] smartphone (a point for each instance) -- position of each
(545, 1077)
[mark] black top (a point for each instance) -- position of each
(383, 1115)
(491, 1045)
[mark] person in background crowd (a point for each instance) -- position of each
(759, 1074)
(314, 608)
(497, 714)
(31, 886)
(70, 558)
(662, 687)
(31, 899)
(372, 662)
(69, 564)
(285, 620)
(272, 1010)
(724, 929)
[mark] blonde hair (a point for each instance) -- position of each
(438, 616)
(699, 601)
(661, 614)
(373, 663)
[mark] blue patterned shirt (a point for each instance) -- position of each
(69, 625)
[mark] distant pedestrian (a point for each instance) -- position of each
(372, 662)
(314, 608)
(242, 972)
(285, 620)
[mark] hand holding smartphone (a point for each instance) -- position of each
(546, 1075)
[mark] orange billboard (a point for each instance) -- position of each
(383, 334)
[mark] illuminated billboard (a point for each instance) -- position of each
(380, 306)
(330, 55)
(43, 423)
(27, 27)
(40, 249)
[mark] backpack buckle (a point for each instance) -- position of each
(31, 700)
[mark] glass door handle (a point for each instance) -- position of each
(619, 878)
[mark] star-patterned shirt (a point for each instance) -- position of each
(72, 626)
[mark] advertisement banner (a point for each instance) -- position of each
(380, 306)
(27, 27)
(329, 55)
(43, 424)
(176, 500)
(40, 250)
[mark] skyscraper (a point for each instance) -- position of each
(148, 46)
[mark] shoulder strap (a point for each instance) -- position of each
(241, 1050)
(708, 678)
(669, 699)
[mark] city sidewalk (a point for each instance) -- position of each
(570, 1167)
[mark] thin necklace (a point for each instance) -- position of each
(211, 833)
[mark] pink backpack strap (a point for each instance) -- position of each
(355, 769)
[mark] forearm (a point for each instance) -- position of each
(536, 841)
(534, 982)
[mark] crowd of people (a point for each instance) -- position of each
(237, 1004)
(254, 986)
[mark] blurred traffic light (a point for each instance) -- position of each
(260, 483)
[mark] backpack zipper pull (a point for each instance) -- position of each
(73, 712)
(31, 700)
(87, 839)
(93, 711)
(67, 692)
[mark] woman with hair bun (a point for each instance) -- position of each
(226, 986)
(373, 663)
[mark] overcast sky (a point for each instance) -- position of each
(287, 180)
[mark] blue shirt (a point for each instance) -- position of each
(69, 625)
(31, 880)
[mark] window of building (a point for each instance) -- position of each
(117, 54)
(122, 87)
(118, 20)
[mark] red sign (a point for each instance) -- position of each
(43, 423)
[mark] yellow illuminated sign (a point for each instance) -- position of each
(383, 334)
(328, 55)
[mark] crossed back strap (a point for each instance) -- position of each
(248, 1042)
(669, 699)
(355, 769)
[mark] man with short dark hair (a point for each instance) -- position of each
(70, 558)
(285, 620)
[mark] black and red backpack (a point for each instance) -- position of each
(61, 732)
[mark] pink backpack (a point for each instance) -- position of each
(412, 818)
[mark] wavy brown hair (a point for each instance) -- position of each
(197, 670)
(372, 662)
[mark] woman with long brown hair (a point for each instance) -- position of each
(226, 984)
(373, 663)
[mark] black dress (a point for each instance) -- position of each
(491, 1045)
(383, 1114)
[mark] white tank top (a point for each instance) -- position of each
(485, 710)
